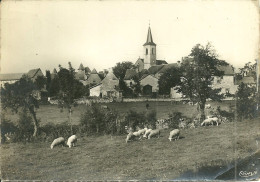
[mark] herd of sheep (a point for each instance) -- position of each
(61, 141)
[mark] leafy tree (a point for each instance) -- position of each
(19, 95)
(120, 69)
(197, 78)
(170, 78)
(246, 101)
(40, 82)
(249, 70)
(54, 86)
(48, 81)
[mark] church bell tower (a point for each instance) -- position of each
(149, 51)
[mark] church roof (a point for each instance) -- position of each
(149, 40)
(130, 73)
(159, 62)
(155, 69)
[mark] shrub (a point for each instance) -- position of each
(7, 129)
(134, 119)
(150, 119)
(246, 101)
(174, 120)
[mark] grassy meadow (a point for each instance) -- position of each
(110, 158)
(53, 114)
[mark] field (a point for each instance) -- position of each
(53, 114)
(110, 158)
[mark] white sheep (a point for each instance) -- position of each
(58, 141)
(209, 121)
(174, 134)
(148, 131)
(154, 133)
(129, 136)
(72, 141)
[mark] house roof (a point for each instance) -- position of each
(110, 76)
(167, 66)
(149, 40)
(159, 62)
(10, 76)
(94, 71)
(130, 73)
(143, 76)
(81, 67)
(155, 69)
(94, 78)
(246, 80)
(95, 85)
(228, 69)
(32, 73)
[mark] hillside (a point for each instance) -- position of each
(109, 157)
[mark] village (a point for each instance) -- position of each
(147, 71)
(129, 91)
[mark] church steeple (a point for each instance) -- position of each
(149, 40)
(149, 51)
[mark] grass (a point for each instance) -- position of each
(110, 158)
(53, 114)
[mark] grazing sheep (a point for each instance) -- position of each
(154, 133)
(148, 131)
(72, 141)
(129, 137)
(209, 121)
(174, 134)
(58, 141)
(140, 133)
(207, 106)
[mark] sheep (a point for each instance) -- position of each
(129, 136)
(210, 120)
(154, 133)
(174, 134)
(140, 133)
(148, 131)
(72, 141)
(58, 141)
(207, 106)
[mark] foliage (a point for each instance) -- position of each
(248, 70)
(246, 101)
(40, 82)
(19, 95)
(198, 71)
(98, 120)
(134, 119)
(151, 118)
(48, 81)
(174, 120)
(54, 86)
(7, 128)
(120, 69)
(170, 78)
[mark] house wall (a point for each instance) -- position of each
(95, 91)
(226, 84)
(150, 80)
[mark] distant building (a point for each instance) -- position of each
(93, 78)
(34, 73)
(10, 78)
(129, 77)
(149, 85)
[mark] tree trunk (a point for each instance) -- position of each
(35, 123)
(202, 111)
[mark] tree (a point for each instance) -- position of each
(48, 81)
(40, 82)
(198, 71)
(170, 78)
(246, 101)
(120, 70)
(69, 88)
(19, 95)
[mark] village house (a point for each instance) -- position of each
(10, 78)
(108, 87)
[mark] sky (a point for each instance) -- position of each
(99, 34)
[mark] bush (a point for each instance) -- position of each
(246, 101)
(99, 120)
(8, 129)
(174, 119)
(51, 131)
(150, 119)
(134, 119)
